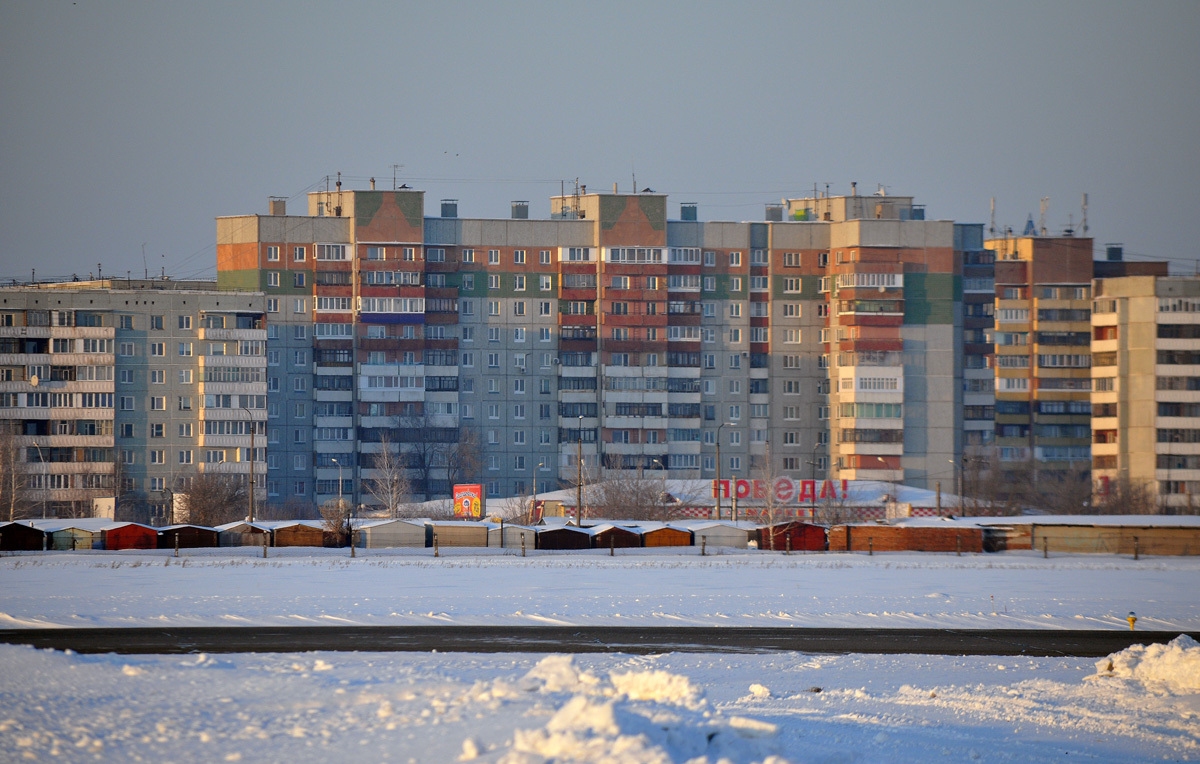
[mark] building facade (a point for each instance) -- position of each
(127, 389)
(823, 341)
(1146, 388)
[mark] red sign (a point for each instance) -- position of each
(785, 490)
(468, 501)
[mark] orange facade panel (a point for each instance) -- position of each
(237, 257)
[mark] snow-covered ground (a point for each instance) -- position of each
(1139, 705)
(521, 709)
(634, 588)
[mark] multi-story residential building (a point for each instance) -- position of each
(893, 342)
(1146, 388)
(979, 379)
(127, 389)
(606, 330)
(1042, 356)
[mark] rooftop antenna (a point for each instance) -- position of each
(1083, 226)
(1045, 205)
(145, 267)
(633, 172)
(395, 169)
(992, 227)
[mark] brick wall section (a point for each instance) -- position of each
(885, 538)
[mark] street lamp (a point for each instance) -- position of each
(579, 481)
(961, 467)
(812, 497)
(45, 487)
(722, 424)
(533, 500)
(663, 490)
(341, 509)
(250, 417)
(891, 480)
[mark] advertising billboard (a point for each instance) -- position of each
(468, 501)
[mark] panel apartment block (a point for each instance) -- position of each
(127, 389)
(1146, 387)
(606, 331)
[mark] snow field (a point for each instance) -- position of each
(649, 588)
(620, 709)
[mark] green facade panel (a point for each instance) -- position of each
(929, 297)
(241, 281)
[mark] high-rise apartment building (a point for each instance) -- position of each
(607, 330)
(127, 389)
(1146, 388)
(1042, 343)
(891, 288)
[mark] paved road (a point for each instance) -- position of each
(589, 639)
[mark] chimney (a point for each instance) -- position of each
(276, 205)
(372, 184)
(853, 188)
(449, 208)
(520, 210)
(1114, 253)
(687, 211)
(614, 187)
(774, 213)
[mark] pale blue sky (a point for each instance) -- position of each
(126, 123)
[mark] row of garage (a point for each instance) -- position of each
(33, 535)
(960, 536)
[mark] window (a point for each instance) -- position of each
(185, 456)
(298, 279)
(493, 257)
(272, 305)
(493, 281)
(273, 278)
(158, 376)
(298, 254)
(158, 403)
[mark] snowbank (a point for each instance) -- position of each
(1173, 668)
(433, 708)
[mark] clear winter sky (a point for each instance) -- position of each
(130, 123)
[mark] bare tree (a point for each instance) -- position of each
(1122, 496)
(427, 448)
(216, 498)
(390, 485)
(336, 518)
(463, 459)
(14, 481)
(763, 471)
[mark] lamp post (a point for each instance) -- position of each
(579, 481)
(722, 424)
(250, 417)
(533, 499)
(45, 488)
(961, 467)
(812, 497)
(663, 489)
(341, 509)
(892, 494)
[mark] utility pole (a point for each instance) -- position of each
(579, 481)
(722, 424)
(250, 417)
